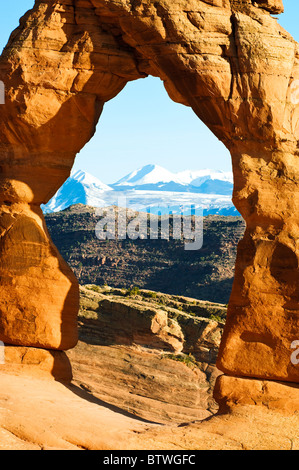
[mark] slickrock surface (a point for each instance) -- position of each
(125, 395)
(144, 383)
(244, 428)
(37, 414)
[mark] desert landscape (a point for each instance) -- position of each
(143, 363)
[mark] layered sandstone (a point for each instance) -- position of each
(160, 321)
(151, 358)
(231, 62)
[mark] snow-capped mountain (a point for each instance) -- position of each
(154, 177)
(149, 174)
(79, 188)
(150, 188)
(197, 177)
(89, 180)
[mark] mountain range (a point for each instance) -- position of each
(156, 178)
(150, 187)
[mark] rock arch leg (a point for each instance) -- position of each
(59, 68)
(263, 314)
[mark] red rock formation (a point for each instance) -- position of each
(238, 70)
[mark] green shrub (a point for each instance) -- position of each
(94, 288)
(186, 359)
(217, 318)
(150, 295)
(133, 291)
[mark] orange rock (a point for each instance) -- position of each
(233, 392)
(38, 291)
(275, 6)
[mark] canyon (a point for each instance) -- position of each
(159, 265)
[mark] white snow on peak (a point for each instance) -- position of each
(149, 174)
(197, 177)
(149, 186)
(154, 174)
(88, 179)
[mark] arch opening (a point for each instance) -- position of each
(153, 184)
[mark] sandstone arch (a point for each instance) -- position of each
(238, 70)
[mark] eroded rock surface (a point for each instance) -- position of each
(36, 362)
(134, 396)
(35, 417)
(146, 354)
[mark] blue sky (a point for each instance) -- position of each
(142, 125)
